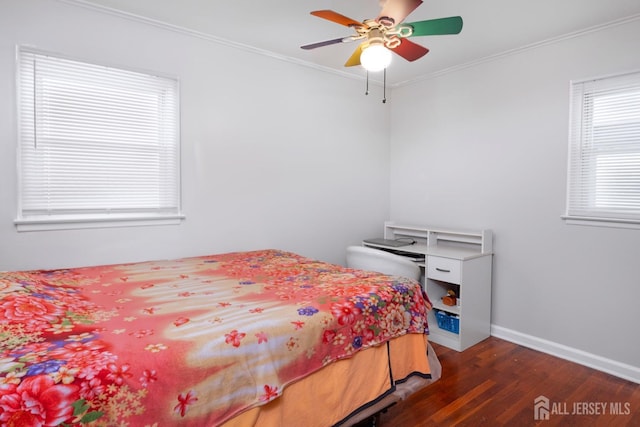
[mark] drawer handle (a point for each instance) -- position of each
(442, 270)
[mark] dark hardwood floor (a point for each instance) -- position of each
(495, 383)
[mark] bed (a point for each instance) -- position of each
(258, 338)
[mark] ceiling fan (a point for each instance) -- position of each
(387, 33)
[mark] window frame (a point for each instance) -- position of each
(84, 217)
(583, 152)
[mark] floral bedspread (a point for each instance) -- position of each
(193, 341)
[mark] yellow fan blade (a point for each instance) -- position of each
(355, 57)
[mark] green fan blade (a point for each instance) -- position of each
(435, 27)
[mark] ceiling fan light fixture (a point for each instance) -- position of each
(375, 57)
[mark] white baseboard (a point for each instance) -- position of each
(622, 370)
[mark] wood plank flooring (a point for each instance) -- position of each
(495, 383)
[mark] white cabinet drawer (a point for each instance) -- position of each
(445, 269)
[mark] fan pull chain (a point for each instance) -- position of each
(366, 92)
(384, 87)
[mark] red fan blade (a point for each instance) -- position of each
(337, 18)
(410, 50)
(398, 10)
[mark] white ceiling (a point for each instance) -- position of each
(280, 27)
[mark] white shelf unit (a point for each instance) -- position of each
(457, 260)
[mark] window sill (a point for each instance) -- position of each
(602, 222)
(44, 224)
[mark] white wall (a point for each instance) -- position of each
(486, 147)
(273, 154)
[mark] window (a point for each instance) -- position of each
(604, 152)
(97, 145)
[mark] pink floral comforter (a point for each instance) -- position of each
(193, 341)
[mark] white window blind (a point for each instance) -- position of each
(604, 150)
(96, 142)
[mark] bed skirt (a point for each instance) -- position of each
(370, 381)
